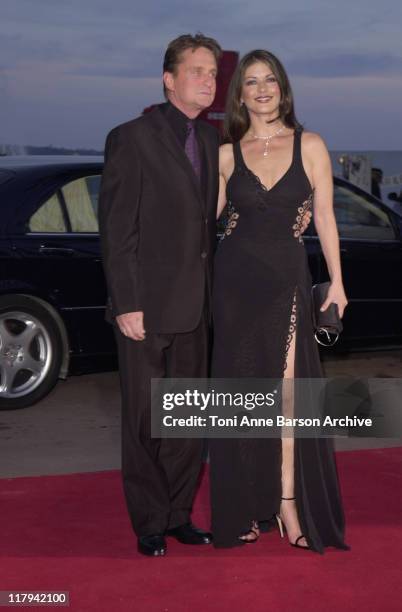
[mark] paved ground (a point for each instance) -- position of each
(77, 427)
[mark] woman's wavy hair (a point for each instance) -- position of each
(237, 120)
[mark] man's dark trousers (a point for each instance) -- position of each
(159, 475)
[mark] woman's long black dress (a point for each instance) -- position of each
(261, 298)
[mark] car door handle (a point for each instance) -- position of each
(56, 251)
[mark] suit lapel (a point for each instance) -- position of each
(167, 138)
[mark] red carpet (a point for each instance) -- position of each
(72, 533)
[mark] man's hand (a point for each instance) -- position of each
(305, 222)
(131, 324)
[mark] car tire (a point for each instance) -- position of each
(31, 351)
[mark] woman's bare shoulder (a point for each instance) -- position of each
(226, 157)
(226, 151)
(313, 141)
(315, 149)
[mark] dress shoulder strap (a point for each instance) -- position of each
(297, 157)
(238, 158)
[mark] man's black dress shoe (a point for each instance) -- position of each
(188, 534)
(152, 545)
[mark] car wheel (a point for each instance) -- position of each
(31, 351)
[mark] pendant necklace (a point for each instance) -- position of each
(268, 138)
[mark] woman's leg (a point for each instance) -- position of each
(288, 509)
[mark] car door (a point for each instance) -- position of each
(62, 240)
(371, 257)
(80, 199)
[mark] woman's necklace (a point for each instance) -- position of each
(268, 138)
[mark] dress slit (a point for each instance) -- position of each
(291, 330)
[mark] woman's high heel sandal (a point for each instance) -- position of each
(281, 528)
(253, 530)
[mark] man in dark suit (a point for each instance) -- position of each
(157, 222)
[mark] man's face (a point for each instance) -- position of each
(193, 85)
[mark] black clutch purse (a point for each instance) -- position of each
(327, 324)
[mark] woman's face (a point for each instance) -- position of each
(260, 92)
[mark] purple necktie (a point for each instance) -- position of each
(191, 148)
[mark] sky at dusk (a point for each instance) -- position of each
(70, 70)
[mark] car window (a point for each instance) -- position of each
(48, 218)
(358, 217)
(81, 198)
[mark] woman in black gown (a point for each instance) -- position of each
(271, 175)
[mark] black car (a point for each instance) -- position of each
(52, 288)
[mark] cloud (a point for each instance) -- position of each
(346, 65)
(102, 59)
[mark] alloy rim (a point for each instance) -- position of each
(25, 353)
